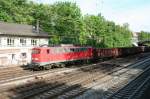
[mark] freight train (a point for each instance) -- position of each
(49, 57)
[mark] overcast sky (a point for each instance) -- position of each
(134, 12)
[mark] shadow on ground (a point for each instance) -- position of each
(51, 90)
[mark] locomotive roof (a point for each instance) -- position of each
(61, 47)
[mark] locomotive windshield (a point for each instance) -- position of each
(36, 51)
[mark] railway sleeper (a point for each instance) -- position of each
(73, 93)
(26, 91)
(61, 89)
(56, 91)
(33, 92)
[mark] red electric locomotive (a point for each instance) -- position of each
(47, 57)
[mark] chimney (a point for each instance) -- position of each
(37, 26)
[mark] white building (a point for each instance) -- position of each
(16, 42)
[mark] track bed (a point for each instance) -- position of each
(78, 83)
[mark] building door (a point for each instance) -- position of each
(13, 59)
(23, 58)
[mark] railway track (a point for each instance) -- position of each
(100, 89)
(18, 73)
(102, 84)
(120, 79)
(55, 72)
(68, 78)
(74, 84)
(14, 72)
(135, 88)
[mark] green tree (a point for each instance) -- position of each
(17, 11)
(144, 36)
(66, 21)
(103, 33)
(94, 30)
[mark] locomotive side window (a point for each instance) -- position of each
(72, 50)
(57, 50)
(75, 49)
(36, 51)
(61, 50)
(83, 49)
(48, 51)
(78, 49)
(66, 50)
(52, 51)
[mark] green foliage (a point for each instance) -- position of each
(65, 23)
(144, 36)
(103, 33)
(15, 11)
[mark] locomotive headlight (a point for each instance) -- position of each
(35, 59)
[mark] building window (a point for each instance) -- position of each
(23, 42)
(23, 55)
(33, 42)
(10, 42)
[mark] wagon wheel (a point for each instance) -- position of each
(41, 68)
(62, 65)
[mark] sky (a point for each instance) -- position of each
(134, 12)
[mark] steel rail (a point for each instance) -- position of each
(112, 72)
(135, 85)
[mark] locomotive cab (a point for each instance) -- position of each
(36, 55)
(39, 57)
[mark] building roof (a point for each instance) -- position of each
(14, 29)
